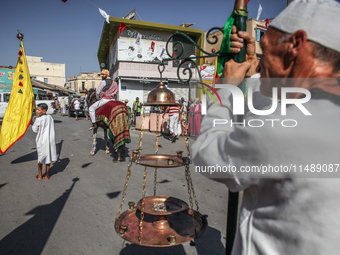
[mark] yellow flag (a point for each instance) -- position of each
(20, 107)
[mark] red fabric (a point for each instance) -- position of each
(195, 120)
(64, 1)
(153, 46)
(106, 109)
(248, 1)
(115, 115)
(122, 26)
(173, 110)
(111, 92)
(267, 23)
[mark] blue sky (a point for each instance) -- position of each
(69, 32)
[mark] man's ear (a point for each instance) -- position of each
(298, 42)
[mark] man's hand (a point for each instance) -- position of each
(247, 68)
(233, 72)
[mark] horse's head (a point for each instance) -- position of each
(91, 97)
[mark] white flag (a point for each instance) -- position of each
(139, 38)
(105, 15)
(259, 12)
(163, 50)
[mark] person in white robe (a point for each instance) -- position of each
(63, 103)
(45, 140)
(291, 194)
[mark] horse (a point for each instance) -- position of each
(113, 118)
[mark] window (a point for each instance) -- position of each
(6, 97)
(46, 80)
(33, 78)
(93, 84)
(83, 85)
(259, 34)
(123, 88)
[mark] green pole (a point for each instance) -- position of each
(233, 197)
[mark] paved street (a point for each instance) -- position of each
(74, 211)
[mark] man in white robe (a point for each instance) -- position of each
(292, 204)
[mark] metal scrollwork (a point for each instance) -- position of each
(214, 37)
(178, 50)
(187, 70)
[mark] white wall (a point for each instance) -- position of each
(133, 90)
(55, 73)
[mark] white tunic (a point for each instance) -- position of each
(62, 102)
(45, 140)
(286, 215)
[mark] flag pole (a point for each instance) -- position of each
(233, 197)
(20, 36)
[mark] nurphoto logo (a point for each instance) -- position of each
(238, 105)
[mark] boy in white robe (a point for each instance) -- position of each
(45, 140)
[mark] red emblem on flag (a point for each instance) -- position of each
(248, 1)
(122, 26)
(20, 53)
(20, 84)
(64, 1)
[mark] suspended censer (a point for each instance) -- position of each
(160, 221)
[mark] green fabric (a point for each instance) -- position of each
(122, 142)
(129, 117)
(225, 46)
(241, 12)
(111, 135)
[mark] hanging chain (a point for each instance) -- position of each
(187, 141)
(189, 180)
(156, 151)
(157, 133)
(187, 176)
(188, 170)
(155, 182)
(125, 187)
(189, 183)
(142, 208)
(140, 136)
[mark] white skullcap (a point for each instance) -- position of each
(320, 19)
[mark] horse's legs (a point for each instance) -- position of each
(94, 140)
(107, 151)
(121, 152)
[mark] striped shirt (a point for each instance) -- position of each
(173, 110)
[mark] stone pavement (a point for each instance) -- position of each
(74, 211)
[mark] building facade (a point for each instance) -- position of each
(51, 73)
(84, 81)
(133, 55)
(41, 89)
